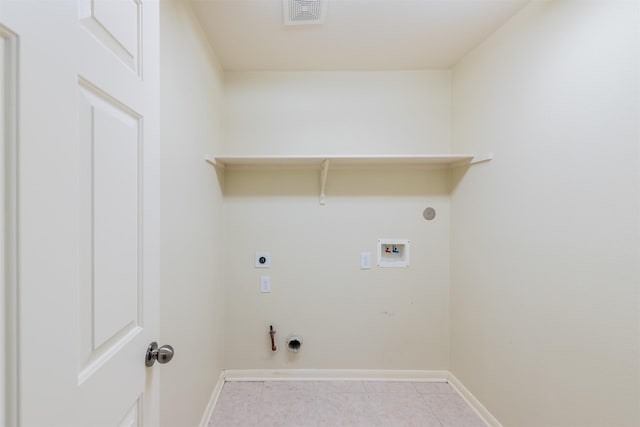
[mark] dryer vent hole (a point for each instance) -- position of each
(294, 345)
(294, 342)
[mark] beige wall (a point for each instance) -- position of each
(191, 217)
(545, 239)
(349, 318)
(337, 112)
(542, 244)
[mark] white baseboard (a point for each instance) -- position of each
(333, 374)
(480, 409)
(208, 412)
(348, 374)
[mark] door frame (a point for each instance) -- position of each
(9, 290)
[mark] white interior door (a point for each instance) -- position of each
(88, 206)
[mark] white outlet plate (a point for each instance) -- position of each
(365, 260)
(263, 260)
(265, 284)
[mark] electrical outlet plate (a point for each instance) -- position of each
(263, 260)
(365, 260)
(265, 284)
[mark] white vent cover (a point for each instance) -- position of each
(301, 12)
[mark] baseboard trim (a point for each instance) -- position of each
(480, 409)
(333, 374)
(208, 412)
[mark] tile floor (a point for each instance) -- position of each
(342, 403)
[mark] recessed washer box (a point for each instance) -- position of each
(393, 253)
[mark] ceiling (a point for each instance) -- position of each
(250, 35)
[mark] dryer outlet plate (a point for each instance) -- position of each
(263, 260)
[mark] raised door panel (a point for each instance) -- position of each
(117, 26)
(110, 219)
(133, 417)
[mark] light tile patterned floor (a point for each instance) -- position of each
(341, 403)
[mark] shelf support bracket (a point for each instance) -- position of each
(475, 160)
(324, 172)
(481, 159)
(212, 161)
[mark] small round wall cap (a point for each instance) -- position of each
(429, 214)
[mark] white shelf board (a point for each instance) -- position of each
(323, 163)
(346, 161)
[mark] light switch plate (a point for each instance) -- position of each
(265, 284)
(365, 260)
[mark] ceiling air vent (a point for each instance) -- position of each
(301, 12)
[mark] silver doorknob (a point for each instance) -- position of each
(163, 354)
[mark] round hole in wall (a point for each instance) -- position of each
(294, 343)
